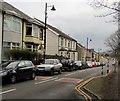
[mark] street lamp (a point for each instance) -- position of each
(99, 54)
(53, 9)
(87, 47)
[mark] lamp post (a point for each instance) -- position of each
(87, 47)
(53, 9)
(99, 54)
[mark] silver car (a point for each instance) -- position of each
(50, 66)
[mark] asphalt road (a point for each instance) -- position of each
(59, 86)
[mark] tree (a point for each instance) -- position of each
(112, 6)
(114, 41)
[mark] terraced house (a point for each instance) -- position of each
(81, 52)
(19, 31)
(59, 43)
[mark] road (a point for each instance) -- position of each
(60, 86)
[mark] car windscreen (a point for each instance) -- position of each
(12, 65)
(78, 62)
(63, 61)
(3, 65)
(49, 61)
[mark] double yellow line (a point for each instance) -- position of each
(78, 88)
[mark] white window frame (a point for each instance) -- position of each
(35, 31)
(13, 20)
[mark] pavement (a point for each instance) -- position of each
(106, 87)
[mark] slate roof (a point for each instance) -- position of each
(81, 45)
(57, 31)
(9, 9)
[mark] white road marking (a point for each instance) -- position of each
(7, 91)
(59, 79)
(46, 80)
(70, 74)
(80, 81)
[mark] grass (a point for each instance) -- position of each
(95, 86)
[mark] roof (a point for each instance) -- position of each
(9, 9)
(57, 31)
(80, 45)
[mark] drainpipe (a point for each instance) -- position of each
(3, 13)
(22, 32)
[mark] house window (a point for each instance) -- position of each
(61, 41)
(7, 23)
(72, 44)
(35, 31)
(7, 46)
(69, 44)
(35, 48)
(29, 29)
(15, 46)
(11, 45)
(31, 47)
(65, 42)
(61, 53)
(16, 25)
(12, 24)
(41, 33)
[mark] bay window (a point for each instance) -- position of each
(12, 23)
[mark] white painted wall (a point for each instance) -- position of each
(51, 43)
(0, 37)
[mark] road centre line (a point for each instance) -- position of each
(46, 80)
(7, 91)
(70, 74)
(59, 79)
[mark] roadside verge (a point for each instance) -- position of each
(105, 87)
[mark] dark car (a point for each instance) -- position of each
(68, 64)
(84, 65)
(78, 65)
(14, 70)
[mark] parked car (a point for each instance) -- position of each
(94, 64)
(50, 66)
(85, 65)
(14, 70)
(102, 64)
(97, 64)
(79, 64)
(68, 64)
(89, 63)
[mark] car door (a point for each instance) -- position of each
(58, 65)
(29, 68)
(55, 65)
(21, 70)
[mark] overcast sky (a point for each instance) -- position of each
(77, 19)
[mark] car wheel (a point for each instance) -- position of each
(60, 71)
(52, 72)
(33, 76)
(13, 79)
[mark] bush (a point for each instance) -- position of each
(35, 57)
(23, 55)
(55, 57)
